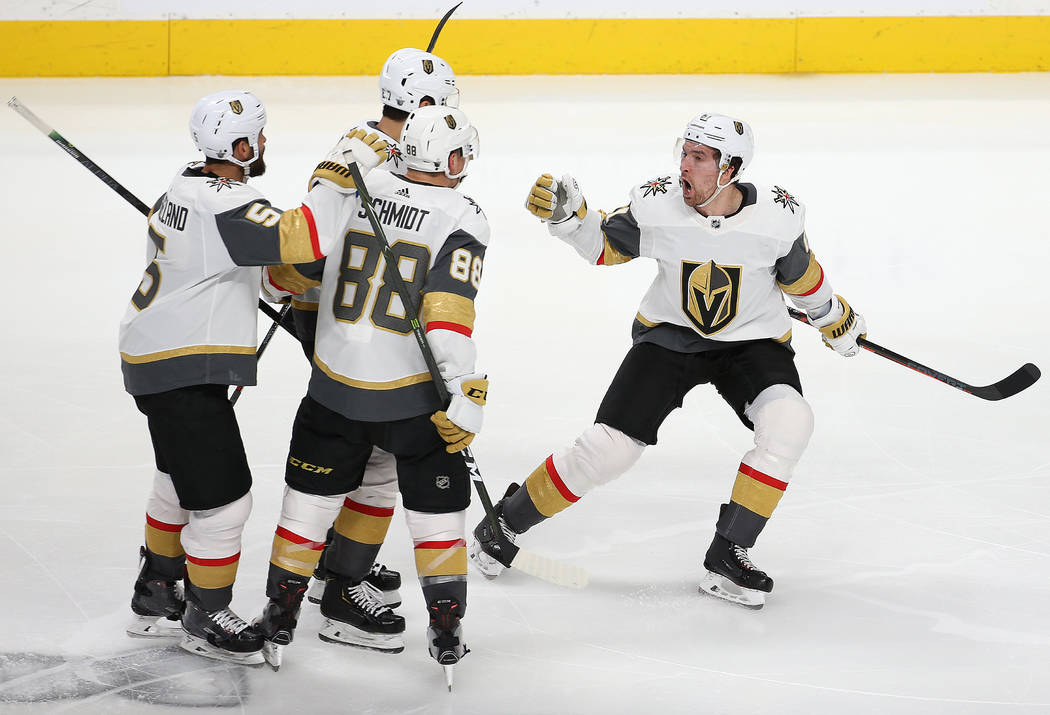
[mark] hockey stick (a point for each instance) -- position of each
(541, 567)
(278, 321)
(108, 180)
(1021, 379)
(441, 24)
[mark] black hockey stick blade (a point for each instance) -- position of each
(437, 30)
(1021, 379)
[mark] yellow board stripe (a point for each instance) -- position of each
(520, 46)
(191, 350)
(441, 562)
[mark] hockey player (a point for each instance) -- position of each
(726, 253)
(189, 333)
(370, 388)
(410, 78)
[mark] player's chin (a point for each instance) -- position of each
(258, 167)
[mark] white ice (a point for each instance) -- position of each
(910, 553)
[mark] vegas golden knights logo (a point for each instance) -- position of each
(450, 121)
(428, 66)
(710, 293)
(236, 106)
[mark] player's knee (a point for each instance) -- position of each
(783, 421)
(217, 532)
(598, 456)
(163, 502)
(309, 515)
(426, 527)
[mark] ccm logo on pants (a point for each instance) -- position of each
(307, 467)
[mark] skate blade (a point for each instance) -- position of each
(201, 647)
(273, 653)
(155, 627)
(345, 634)
(720, 587)
(489, 567)
(448, 676)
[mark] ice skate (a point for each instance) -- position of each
(445, 636)
(731, 575)
(220, 635)
(492, 552)
(278, 620)
(386, 580)
(356, 615)
(156, 603)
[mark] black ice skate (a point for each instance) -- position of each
(221, 635)
(445, 635)
(157, 603)
(278, 620)
(732, 575)
(492, 552)
(386, 580)
(356, 615)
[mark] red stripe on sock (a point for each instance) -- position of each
(558, 483)
(764, 478)
(453, 544)
(444, 325)
(296, 539)
(383, 511)
(161, 526)
(214, 562)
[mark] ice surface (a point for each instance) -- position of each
(910, 552)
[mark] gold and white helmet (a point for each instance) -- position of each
(432, 133)
(409, 75)
(222, 118)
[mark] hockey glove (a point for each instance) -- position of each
(841, 327)
(556, 201)
(366, 150)
(462, 420)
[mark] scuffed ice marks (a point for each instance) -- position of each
(159, 676)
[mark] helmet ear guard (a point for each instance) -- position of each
(220, 119)
(432, 133)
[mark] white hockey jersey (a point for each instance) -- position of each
(720, 279)
(192, 320)
(367, 365)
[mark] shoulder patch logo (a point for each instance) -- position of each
(221, 182)
(472, 202)
(656, 186)
(782, 197)
(395, 154)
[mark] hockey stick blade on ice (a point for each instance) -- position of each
(1020, 379)
(541, 567)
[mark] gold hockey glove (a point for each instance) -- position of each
(464, 416)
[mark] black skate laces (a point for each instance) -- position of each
(368, 597)
(228, 621)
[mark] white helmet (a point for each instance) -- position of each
(409, 75)
(220, 119)
(732, 137)
(432, 133)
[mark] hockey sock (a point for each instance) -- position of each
(440, 547)
(300, 534)
(359, 532)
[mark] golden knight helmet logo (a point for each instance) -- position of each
(236, 106)
(450, 121)
(428, 66)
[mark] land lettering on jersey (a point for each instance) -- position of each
(392, 213)
(173, 214)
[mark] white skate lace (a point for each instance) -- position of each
(368, 597)
(743, 558)
(228, 621)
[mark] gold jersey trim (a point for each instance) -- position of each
(809, 280)
(367, 385)
(448, 307)
(610, 256)
(191, 350)
(296, 244)
(305, 305)
(289, 278)
(645, 321)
